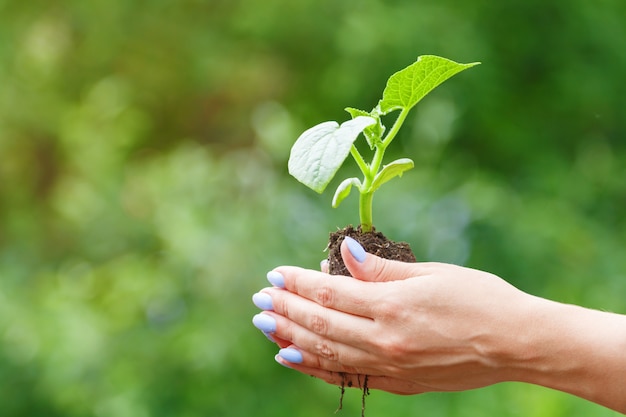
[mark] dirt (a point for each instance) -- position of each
(373, 242)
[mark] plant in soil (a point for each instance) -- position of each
(320, 151)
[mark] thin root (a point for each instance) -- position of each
(343, 391)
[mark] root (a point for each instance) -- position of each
(364, 389)
(343, 391)
(366, 392)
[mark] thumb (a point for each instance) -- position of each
(367, 267)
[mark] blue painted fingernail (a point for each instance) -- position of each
(276, 279)
(290, 355)
(264, 323)
(278, 359)
(262, 301)
(269, 337)
(355, 248)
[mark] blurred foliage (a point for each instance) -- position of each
(143, 189)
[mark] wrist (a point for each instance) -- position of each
(572, 349)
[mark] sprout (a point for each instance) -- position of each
(320, 151)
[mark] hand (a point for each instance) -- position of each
(411, 328)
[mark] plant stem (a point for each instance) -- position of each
(396, 127)
(365, 211)
(370, 171)
(359, 160)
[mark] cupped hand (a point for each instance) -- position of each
(411, 327)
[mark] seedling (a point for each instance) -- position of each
(320, 151)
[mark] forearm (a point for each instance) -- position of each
(574, 350)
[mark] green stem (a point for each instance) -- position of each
(396, 127)
(365, 211)
(359, 160)
(369, 172)
(367, 193)
(377, 161)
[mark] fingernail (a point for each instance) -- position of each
(262, 301)
(269, 337)
(278, 359)
(355, 248)
(290, 355)
(264, 323)
(276, 279)
(323, 264)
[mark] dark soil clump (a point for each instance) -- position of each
(373, 242)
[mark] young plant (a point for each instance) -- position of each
(320, 151)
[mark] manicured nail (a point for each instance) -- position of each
(278, 359)
(276, 279)
(355, 248)
(264, 323)
(324, 264)
(262, 301)
(269, 337)
(290, 355)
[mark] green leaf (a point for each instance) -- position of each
(356, 112)
(407, 87)
(373, 134)
(319, 151)
(391, 170)
(344, 190)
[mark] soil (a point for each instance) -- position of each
(373, 242)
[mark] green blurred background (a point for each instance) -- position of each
(144, 194)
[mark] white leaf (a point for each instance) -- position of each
(320, 151)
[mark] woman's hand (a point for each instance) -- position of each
(411, 328)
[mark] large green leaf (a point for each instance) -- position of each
(319, 151)
(407, 87)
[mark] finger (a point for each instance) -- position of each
(324, 266)
(367, 267)
(280, 342)
(283, 332)
(320, 320)
(332, 291)
(356, 380)
(299, 355)
(326, 332)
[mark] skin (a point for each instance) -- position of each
(415, 328)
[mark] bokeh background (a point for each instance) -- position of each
(144, 193)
